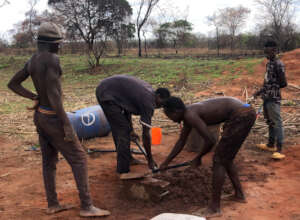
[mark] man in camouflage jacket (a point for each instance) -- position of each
(270, 93)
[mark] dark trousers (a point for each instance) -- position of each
(120, 123)
(51, 138)
(273, 119)
(235, 131)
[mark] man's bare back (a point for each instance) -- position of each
(38, 67)
(213, 111)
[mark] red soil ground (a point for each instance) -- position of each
(272, 187)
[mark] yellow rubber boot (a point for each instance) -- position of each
(265, 147)
(278, 156)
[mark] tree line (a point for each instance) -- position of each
(99, 25)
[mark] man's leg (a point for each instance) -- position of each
(76, 157)
(234, 134)
(244, 125)
(217, 185)
(120, 127)
(267, 108)
(50, 158)
(275, 117)
(52, 128)
(233, 176)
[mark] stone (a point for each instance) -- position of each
(147, 189)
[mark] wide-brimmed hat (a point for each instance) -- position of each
(49, 33)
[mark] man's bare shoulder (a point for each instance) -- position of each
(45, 58)
(190, 114)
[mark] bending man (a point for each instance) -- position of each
(120, 96)
(238, 118)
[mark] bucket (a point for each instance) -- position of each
(89, 122)
(156, 135)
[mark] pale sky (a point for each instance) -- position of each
(197, 11)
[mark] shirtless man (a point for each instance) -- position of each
(53, 126)
(238, 118)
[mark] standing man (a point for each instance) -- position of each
(53, 126)
(270, 93)
(238, 120)
(120, 96)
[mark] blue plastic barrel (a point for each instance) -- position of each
(89, 122)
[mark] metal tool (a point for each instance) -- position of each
(188, 163)
(94, 150)
(144, 152)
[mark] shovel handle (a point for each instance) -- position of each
(173, 166)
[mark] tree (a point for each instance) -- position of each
(144, 11)
(216, 21)
(177, 32)
(24, 32)
(121, 34)
(233, 20)
(31, 14)
(278, 16)
(94, 21)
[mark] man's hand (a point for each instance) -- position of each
(35, 105)
(134, 136)
(151, 164)
(196, 162)
(70, 135)
(255, 95)
(163, 166)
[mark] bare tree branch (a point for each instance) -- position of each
(144, 11)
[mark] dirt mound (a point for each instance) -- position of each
(191, 186)
(295, 54)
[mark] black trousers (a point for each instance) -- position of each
(120, 123)
(51, 138)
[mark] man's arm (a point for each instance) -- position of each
(281, 74)
(209, 140)
(146, 137)
(147, 145)
(178, 146)
(54, 96)
(15, 84)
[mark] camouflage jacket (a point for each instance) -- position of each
(274, 80)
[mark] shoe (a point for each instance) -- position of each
(131, 176)
(265, 147)
(278, 156)
(93, 211)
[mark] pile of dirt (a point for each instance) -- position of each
(191, 186)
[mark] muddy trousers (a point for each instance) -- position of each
(273, 119)
(51, 138)
(120, 123)
(235, 131)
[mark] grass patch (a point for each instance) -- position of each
(79, 81)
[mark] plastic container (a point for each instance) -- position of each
(89, 122)
(156, 135)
